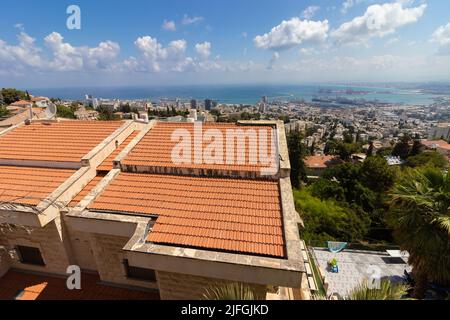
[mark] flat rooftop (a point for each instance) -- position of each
(64, 141)
(29, 185)
(236, 215)
(357, 266)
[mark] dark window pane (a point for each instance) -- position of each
(30, 255)
(139, 273)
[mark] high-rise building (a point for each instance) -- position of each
(193, 104)
(208, 104)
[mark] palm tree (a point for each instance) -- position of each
(386, 291)
(230, 291)
(420, 217)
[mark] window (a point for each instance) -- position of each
(30, 255)
(139, 273)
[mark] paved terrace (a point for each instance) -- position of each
(355, 268)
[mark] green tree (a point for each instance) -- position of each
(65, 112)
(328, 220)
(284, 118)
(11, 95)
(385, 152)
(2, 101)
(297, 154)
(325, 189)
(420, 216)
(370, 150)
(106, 114)
(428, 158)
(376, 174)
(231, 291)
(27, 96)
(417, 148)
(125, 108)
(348, 177)
(402, 148)
(330, 147)
(3, 112)
(386, 291)
(345, 150)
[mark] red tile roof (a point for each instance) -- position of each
(107, 164)
(437, 144)
(223, 214)
(29, 186)
(85, 191)
(24, 286)
(66, 141)
(155, 149)
(321, 162)
(22, 103)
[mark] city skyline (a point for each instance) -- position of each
(179, 43)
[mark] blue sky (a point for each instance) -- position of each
(173, 42)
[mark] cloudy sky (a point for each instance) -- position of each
(176, 42)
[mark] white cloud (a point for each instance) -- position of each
(378, 21)
(191, 20)
(442, 35)
(291, 33)
(273, 60)
(156, 58)
(347, 4)
(169, 25)
(306, 51)
(19, 26)
(26, 56)
(203, 49)
(309, 12)
(391, 41)
(70, 58)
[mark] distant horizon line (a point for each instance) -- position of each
(237, 84)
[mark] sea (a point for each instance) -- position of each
(250, 94)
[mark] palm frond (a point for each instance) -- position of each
(386, 291)
(229, 291)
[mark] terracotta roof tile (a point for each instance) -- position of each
(224, 214)
(65, 141)
(107, 164)
(29, 186)
(155, 149)
(321, 162)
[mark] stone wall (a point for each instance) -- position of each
(176, 286)
(48, 239)
(4, 256)
(82, 252)
(109, 258)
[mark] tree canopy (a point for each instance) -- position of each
(420, 216)
(11, 95)
(297, 152)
